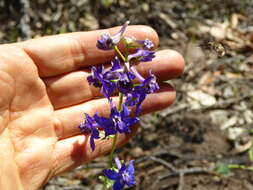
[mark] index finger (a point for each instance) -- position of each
(64, 53)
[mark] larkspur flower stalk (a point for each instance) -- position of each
(132, 87)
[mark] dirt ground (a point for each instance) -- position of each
(204, 140)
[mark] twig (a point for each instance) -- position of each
(187, 171)
(163, 162)
(181, 181)
(181, 172)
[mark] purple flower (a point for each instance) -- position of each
(117, 122)
(96, 76)
(106, 42)
(89, 126)
(146, 44)
(110, 79)
(136, 97)
(139, 93)
(142, 55)
(106, 124)
(116, 66)
(102, 78)
(124, 175)
(149, 84)
(125, 83)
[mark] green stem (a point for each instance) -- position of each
(116, 135)
(120, 101)
(113, 150)
(114, 142)
(237, 166)
(120, 54)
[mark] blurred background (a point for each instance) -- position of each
(204, 140)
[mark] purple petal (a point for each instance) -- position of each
(116, 64)
(103, 121)
(131, 167)
(117, 162)
(136, 74)
(105, 42)
(106, 123)
(125, 111)
(150, 84)
(142, 55)
(118, 185)
(131, 121)
(147, 44)
(130, 100)
(117, 37)
(95, 133)
(122, 169)
(110, 174)
(110, 131)
(138, 110)
(92, 143)
(108, 88)
(125, 85)
(122, 127)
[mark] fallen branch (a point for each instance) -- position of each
(186, 172)
(164, 163)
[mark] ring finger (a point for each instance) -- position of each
(73, 88)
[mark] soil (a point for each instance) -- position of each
(179, 148)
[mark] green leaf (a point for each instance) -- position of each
(222, 169)
(107, 182)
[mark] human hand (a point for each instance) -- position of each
(44, 93)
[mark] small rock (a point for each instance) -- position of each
(241, 107)
(89, 21)
(137, 152)
(219, 116)
(203, 98)
(145, 7)
(174, 35)
(219, 30)
(229, 123)
(151, 137)
(242, 147)
(98, 187)
(168, 20)
(248, 116)
(235, 132)
(228, 92)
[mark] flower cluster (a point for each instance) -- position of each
(124, 175)
(121, 77)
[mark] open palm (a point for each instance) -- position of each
(44, 94)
